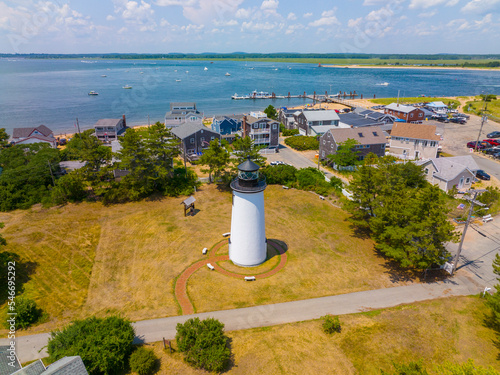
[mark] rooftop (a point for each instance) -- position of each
(400, 107)
(326, 115)
(364, 136)
(415, 131)
(26, 132)
(188, 128)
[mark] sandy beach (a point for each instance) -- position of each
(409, 67)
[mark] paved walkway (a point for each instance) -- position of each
(30, 347)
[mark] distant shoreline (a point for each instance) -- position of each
(354, 66)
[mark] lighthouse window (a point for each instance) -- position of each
(249, 175)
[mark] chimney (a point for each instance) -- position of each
(244, 126)
(124, 121)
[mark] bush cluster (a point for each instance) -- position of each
(27, 312)
(203, 343)
(302, 143)
(289, 132)
(142, 361)
(331, 324)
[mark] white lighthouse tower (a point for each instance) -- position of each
(248, 244)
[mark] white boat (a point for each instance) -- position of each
(177, 80)
(187, 71)
(227, 74)
(205, 68)
(236, 97)
(103, 75)
(127, 87)
(383, 84)
(93, 93)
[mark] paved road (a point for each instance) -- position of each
(30, 347)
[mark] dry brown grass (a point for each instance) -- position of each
(442, 330)
(96, 260)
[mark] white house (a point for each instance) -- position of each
(40, 134)
(456, 171)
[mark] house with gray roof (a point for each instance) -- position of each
(407, 113)
(456, 171)
(225, 125)
(182, 112)
(39, 134)
(194, 137)
(262, 130)
(9, 363)
(109, 129)
(65, 366)
(306, 119)
(370, 139)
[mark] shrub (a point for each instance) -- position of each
(203, 343)
(142, 361)
(280, 174)
(289, 132)
(312, 179)
(302, 143)
(331, 324)
(336, 183)
(27, 312)
(103, 344)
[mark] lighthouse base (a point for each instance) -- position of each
(257, 262)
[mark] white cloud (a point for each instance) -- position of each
(165, 3)
(354, 22)
(307, 15)
(424, 4)
(374, 2)
(452, 3)
(481, 6)
(327, 19)
(208, 10)
(293, 28)
(243, 13)
(164, 23)
(260, 26)
(269, 5)
(136, 14)
(463, 24)
(427, 14)
(291, 16)
(109, 17)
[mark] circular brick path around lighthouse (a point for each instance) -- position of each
(181, 296)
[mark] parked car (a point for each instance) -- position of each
(480, 146)
(443, 119)
(494, 134)
(492, 150)
(492, 142)
(482, 175)
(458, 120)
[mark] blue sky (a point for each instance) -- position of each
(162, 26)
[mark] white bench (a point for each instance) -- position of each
(204, 251)
(322, 197)
(210, 266)
(285, 187)
(487, 218)
(249, 278)
(226, 234)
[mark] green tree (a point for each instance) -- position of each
(404, 214)
(280, 174)
(346, 153)
(27, 172)
(244, 148)
(69, 188)
(4, 138)
(203, 343)
(143, 361)
(27, 312)
(493, 301)
(302, 143)
(103, 344)
(216, 158)
(270, 111)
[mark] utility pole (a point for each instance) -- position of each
(78, 126)
(483, 120)
(473, 202)
(51, 174)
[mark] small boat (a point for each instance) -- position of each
(205, 68)
(93, 93)
(227, 74)
(187, 71)
(177, 80)
(127, 87)
(142, 72)
(103, 75)
(384, 84)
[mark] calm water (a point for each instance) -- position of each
(55, 92)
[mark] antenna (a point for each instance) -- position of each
(483, 120)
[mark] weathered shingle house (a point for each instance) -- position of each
(183, 112)
(405, 112)
(414, 141)
(456, 171)
(109, 129)
(262, 130)
(286, 117)
(40, 134)
(225, 125)
(65, 366)
(370, 139)
(194, 137)
(306, 119)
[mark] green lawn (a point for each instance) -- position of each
(450, 329)
(476, 106)
(419, 99)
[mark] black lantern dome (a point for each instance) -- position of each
(248, 179)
